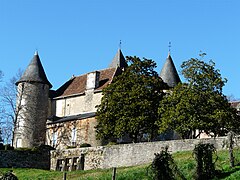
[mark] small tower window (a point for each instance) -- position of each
(18, 143)
(54, 138)
(74, 136)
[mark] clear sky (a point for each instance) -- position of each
(79, 36)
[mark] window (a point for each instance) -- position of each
(74, 136)
(54, 138)
(18, 143)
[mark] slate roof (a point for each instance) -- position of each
(118, 60)
(34, 72)
(169, 73)
(77, 85)
(56, 119)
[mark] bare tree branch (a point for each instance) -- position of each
(8, 109)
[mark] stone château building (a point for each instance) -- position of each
(66, 116)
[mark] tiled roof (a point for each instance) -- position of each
(77, 85)
(118, 60)
(169, 73)
(34, 72)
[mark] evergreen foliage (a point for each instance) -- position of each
(204, 157)
(163, 167)
(198, 104)
(130, 103)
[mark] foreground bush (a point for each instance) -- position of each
(163, 167)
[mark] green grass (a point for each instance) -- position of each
(184, 160)
(130, 173)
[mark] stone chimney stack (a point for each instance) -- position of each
(92, 80)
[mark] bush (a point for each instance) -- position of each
(23, 149)
(1, 146)
(204, 157)
(8, 147)
(163, 167)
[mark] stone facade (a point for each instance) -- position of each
(72, 133)
(32, 109)
(73, 108)
(78, 104)
(31, 106)
(103, 157)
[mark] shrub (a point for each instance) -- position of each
(8, 147)
(163, 167)
(204, 157)
(23, 149)
(1, 146)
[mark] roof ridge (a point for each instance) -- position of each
(74, 76)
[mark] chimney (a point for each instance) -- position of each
(92, 80)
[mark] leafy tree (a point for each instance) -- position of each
(130, 103)
(199, 104)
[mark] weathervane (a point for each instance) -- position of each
(120, 44)
(36, 52)
(169, 47)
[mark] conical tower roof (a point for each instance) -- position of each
(35, 72)
(169, 73)
(118, 60)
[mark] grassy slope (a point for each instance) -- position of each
(184, 160)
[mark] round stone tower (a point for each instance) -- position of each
(31, 106)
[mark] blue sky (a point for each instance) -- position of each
(79, 36)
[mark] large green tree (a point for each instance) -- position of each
(199, 104)
(130, 103)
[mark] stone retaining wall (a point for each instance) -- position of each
(122, 155)
(25, 159)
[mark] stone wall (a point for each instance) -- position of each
(122, 155)
(25, 159)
